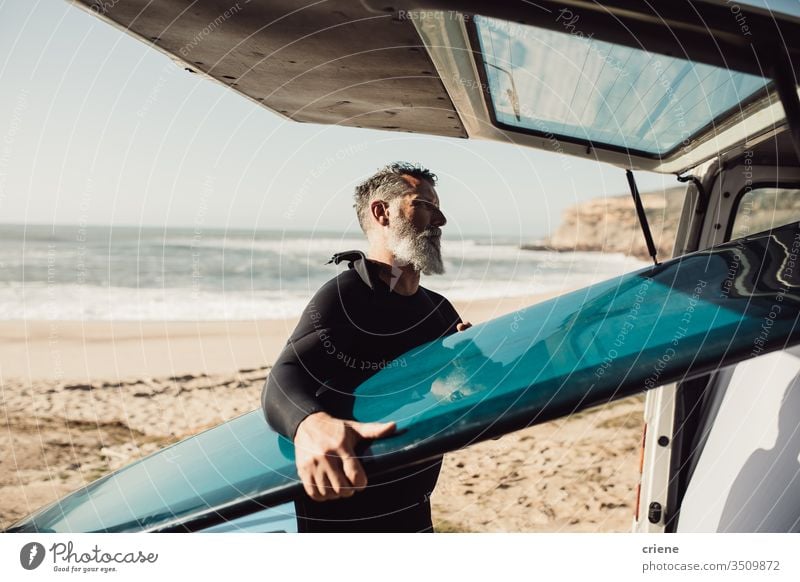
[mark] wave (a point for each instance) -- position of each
(172, 274)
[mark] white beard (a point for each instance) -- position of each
(422, 250)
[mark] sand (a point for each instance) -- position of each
(80, 399)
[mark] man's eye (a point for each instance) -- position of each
(424, 203)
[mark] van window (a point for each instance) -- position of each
(566, 83)
(765, 208)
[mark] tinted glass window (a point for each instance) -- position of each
(567, 83)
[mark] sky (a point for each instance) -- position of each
(97, 127)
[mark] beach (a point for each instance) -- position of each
(82, 398)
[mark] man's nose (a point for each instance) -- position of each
(438, 219)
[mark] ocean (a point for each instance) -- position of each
(96, 273)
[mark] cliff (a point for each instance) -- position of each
(609, 224)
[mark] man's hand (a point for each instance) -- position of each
(324, 451)
(463, 326)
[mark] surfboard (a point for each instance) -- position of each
(664, 323)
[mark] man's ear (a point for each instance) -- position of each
(380, 212)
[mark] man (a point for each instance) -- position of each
(354, 325)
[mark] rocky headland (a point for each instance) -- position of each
(609, 224)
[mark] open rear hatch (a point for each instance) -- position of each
(658, 86)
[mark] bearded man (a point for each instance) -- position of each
(356, 324)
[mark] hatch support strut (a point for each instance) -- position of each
(637, 200)
(787, 90)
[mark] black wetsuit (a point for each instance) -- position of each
(352, 327)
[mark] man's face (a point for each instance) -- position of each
(414, 235)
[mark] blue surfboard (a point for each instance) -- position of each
(664, 323)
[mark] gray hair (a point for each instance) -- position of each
(386, 184)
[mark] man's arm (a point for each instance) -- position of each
(324, 445)
(289, 393)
